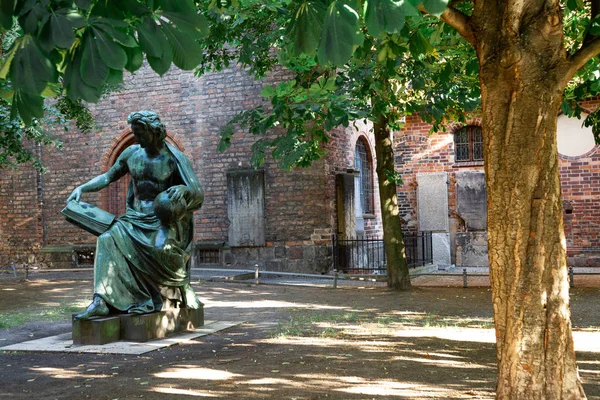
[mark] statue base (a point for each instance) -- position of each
(136, 327)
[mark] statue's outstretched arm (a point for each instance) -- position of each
(101, 181)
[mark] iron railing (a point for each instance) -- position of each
(367, 255)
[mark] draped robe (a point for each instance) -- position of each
(129, 270)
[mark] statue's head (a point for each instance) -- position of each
(150, 121)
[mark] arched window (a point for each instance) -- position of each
(363, 163)
(114, 198)
(468, 144)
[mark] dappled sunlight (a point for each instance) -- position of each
(189, 392)
(193, 372)
(266, 304)
(364, 345)
(61, 373)
(426, 359)
(272, 381)
(587, 341)
(455, 334)
(442, 142)
(384, 387)
(391, 388)
(589, 371)
(8, 289)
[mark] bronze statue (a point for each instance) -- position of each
(144, 254)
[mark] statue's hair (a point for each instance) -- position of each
(150, 120)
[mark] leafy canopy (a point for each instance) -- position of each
(78, 47)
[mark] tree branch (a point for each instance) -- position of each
(458, 21)
(582, 56)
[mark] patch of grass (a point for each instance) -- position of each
(328, 324)
(304, 323)
(59, 313)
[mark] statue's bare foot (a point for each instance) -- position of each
(97, 308)
(189, 297)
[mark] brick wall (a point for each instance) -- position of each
(299, 205)
(580, 183)
(20, 215)
(418, 151)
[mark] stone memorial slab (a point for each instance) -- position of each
(245, 207)
(432, 201)
(471, 249)
(440, 243)
(471, 199)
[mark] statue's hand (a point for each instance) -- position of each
(177, 193)
(75, 195)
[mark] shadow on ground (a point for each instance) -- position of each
(302, 343)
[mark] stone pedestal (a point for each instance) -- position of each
(137, 328)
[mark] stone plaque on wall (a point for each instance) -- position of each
(471, 200)
(432, 200)
(245, 207)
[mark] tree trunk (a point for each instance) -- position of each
(397, 267)
(522, 88)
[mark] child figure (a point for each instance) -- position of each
(169, 211)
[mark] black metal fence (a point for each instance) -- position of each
(367, 255)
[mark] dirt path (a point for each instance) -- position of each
(295, 343)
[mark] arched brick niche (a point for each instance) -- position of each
(113, 198)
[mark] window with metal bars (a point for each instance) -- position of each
(208, 256)
(468, 144)
(363, 163)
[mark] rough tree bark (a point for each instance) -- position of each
(524, 69)
(397, 267)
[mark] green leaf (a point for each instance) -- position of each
(195, 25)
(61, 31)
(436, 7)
(76, 88)
(7, 8)
(135, 59)
(84, 4)
(31, 70)
(29, 106)
(187, 53)
(111, 53)
(73, 16)
(267, 91)
(119, 36)
(340, 34)
(182, 6)
(11, 55)
(115, 76)
(226, 134)
(152, 41)
(160, 65)
(93, 69)
(419, 44)
(387, 15)
(307, 27)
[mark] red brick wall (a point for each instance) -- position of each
(340, 158)
(418, 151)
(298, 204)
(580, 183)
(20, 215)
